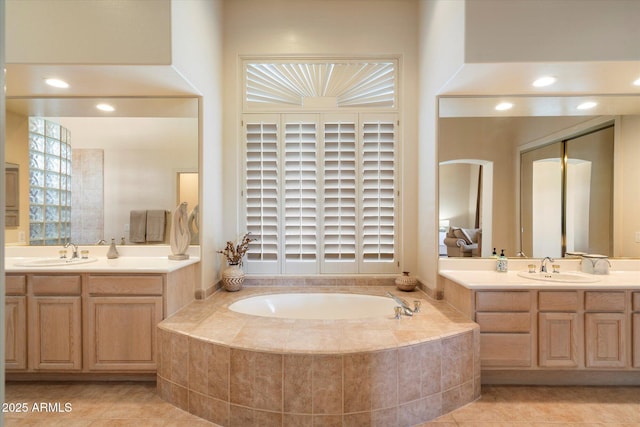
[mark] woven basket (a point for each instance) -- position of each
(233, 278)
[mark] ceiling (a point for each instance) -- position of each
(135, 91)
(472, 91)
(475, 89)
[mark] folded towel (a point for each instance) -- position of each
(137, 226)
(156, 223)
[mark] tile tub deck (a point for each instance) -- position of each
(240, 370)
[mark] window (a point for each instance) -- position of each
(49, 183)
(321, 140)
(321, 193)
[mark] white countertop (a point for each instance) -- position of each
(133, 259)
(488, 279)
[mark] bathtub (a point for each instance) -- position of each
(238, 369)
(327, 306)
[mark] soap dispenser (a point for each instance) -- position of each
(113, 251)
(502, 263)
(494, 254)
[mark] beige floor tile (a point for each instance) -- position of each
(137, 405)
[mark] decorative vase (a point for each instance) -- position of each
(232, 278)
(406, 282)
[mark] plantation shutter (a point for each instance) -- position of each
(378, 194)
(262, 198)
(300, 194)
(340, 195)
(321, 193)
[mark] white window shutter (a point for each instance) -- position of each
(378, 194)
(340, 216)
(262, 197)
(300, 194)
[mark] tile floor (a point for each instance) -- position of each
(137, 404)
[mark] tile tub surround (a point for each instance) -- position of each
(241, 370)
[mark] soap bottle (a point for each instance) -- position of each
(501, 264)
(494, 254)
(112, 252)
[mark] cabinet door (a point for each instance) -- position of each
(15, 339)
(558, 340)
(605, 343)
(122, 333)
(55, 333)
(636, 340)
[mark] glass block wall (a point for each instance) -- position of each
(49, 183)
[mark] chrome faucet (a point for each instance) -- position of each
(74, 253)
(402, 303)
(543, 266)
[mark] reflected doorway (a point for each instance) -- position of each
(567, 196)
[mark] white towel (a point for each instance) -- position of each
(156, 223)
(137, 226)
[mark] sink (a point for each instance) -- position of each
(52, 262)
(559, 277)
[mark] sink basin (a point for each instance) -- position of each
(559, 277)
(52, 262)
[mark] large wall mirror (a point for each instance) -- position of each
(598, 210)
(141, 157)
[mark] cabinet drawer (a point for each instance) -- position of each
(603, 301)
(504, 322)
(16, 285)
(503, 301)
(125, 285)
(56, 285)
(635, 298)
(557, 301)
(505, 350)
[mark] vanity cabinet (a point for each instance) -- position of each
(505, 328)
(55, 322)
(122, 313)
(578, 335)
(68, 325)
(15, 321)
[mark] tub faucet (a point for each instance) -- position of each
(74, 253)
(402, 303)
(543, 266)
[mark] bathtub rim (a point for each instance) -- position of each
(405, 336)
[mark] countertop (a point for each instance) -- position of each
(133, 259)
(139, 264)
(486, 279)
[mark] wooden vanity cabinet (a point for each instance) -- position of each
(122, 314)
(55, 322)
(505, 328)
(15, 321)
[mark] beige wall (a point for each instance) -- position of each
(626, 183)
(348, 28)
(441, 53)
(552, 31)
(89, 32)
(197, 54)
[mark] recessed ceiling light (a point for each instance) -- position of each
(637, 82)
(587, 105)
(105, 107)
(57, 83)
(544, 81)
(504, 106)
